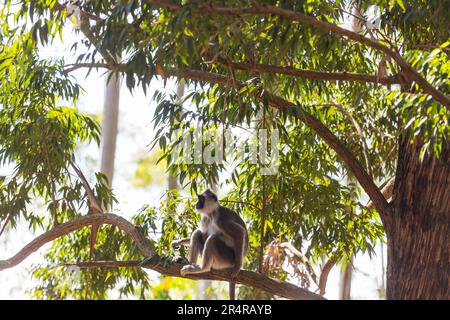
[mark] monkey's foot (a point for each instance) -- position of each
(189, 269)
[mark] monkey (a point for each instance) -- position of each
(221, 240)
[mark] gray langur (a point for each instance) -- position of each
(222, 240)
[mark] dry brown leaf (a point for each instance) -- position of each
(382, 72)
(160, 71)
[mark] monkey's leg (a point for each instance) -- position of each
(196, 246)
(208, 253)
(225, 260)
(215, 255)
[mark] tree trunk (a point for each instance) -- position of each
(110, 124)
(418, 229)
(346, 281)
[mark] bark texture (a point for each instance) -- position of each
(418, 229)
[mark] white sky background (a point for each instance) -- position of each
(135, 132)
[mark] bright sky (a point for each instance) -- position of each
(134, 135)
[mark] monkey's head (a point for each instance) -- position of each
(207, 202)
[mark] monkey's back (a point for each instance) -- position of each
(231, 215)
(228, 214)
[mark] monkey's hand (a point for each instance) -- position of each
(176, 244)
(181, 242)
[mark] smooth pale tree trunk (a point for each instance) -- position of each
(418, 228)
(345, 286)
(108, 148)
(109, 127)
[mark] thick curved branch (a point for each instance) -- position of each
(247, 278)
(266, 10)
(65, 228)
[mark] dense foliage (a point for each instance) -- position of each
(313, 201)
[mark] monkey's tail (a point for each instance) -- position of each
(232, 290)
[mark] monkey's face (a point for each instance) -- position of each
(200, 203)
(207, 202)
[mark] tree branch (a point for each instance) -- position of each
(247, 278)
(386, 191)
(94, 205)
(266, 10)
(93, 202)
(324, 274)
(65, 228)
(310, 74)
(76, 66)
(303, 259)
(8, 217)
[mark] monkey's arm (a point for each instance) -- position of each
(181, 242)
